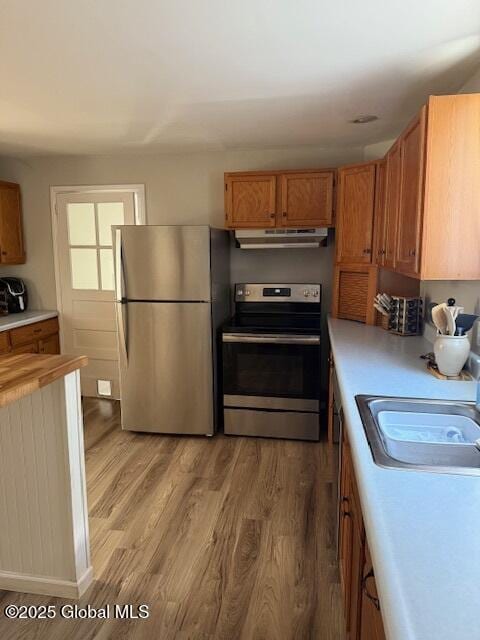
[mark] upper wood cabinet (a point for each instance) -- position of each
(450, 237)
(250, 201)
(412, 146)
(279, 198)
(380, 219)
(432, 212)
(11, 233)
(355, 210)
(307, 199)
(392, 203)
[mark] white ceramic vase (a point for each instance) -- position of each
(451, 353)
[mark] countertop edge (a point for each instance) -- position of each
(15, 320)
(53, 368)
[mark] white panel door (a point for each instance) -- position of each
(85, 257)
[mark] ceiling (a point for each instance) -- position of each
(102, 76)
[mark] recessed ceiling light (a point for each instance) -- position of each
(364, 119)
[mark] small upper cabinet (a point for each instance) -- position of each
(355, 210)
(279, 199)
(412, 144)
(250, 201)
(11, 234)
(307, 199)
(392, 203)
(380, 219)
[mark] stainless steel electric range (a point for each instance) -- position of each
(271, 362)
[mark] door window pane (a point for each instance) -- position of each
(81, 223)
(84, 268)
(108, 214)
(106, 269)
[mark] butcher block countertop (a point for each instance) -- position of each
(23, 374)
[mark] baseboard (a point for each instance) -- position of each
(41, 585)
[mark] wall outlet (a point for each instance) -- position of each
(104, 387)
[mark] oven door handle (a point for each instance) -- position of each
(269, 338)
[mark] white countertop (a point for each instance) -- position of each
(14, 320)
(423, 528)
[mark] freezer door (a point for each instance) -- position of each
(163, 262)
(166, 378)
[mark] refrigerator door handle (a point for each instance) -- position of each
(119, 274)
(122, 317)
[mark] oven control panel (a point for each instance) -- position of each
(261, 292)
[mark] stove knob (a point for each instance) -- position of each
(239, 292)
(315, 293)
(247, 292)
(306, 293)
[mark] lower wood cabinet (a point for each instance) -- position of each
(38, 337)
(363, 617)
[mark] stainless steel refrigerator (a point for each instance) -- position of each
(172, 292)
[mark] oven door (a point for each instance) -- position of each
(264, 371)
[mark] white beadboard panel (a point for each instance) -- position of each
(76, 468)
(44, 531)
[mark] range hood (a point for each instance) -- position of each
(281, 238)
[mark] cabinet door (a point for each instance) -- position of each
(379, 223)
(392, 201)
(371, 627)
(345, 534)
(354, 289)
(356, 200)
(4, 342)
(11, 235)
(356, 574)
(410, 211)
(31, 347)
(250, 201)
(49, 345)
(307, 199)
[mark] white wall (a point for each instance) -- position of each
(377, 150)
(180, 189)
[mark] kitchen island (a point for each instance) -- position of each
(44, 540)
(422, 528)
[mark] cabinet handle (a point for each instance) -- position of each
(381, 252)
(4, 253)
(367, 251)
(272, 215)
(284, 214)
(37, 331)
(412, 253)
(373, 599)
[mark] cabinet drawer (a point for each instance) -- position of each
(34, 331)
(4, 342)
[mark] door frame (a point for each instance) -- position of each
(138, 191)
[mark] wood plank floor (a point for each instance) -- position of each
(222, 537)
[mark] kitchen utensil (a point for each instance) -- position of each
(439, 318)
(465, 321)
(381, 309)
(451, 326)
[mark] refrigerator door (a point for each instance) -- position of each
(166, 379)
(162, 263)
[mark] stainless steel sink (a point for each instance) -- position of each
(429, 435)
